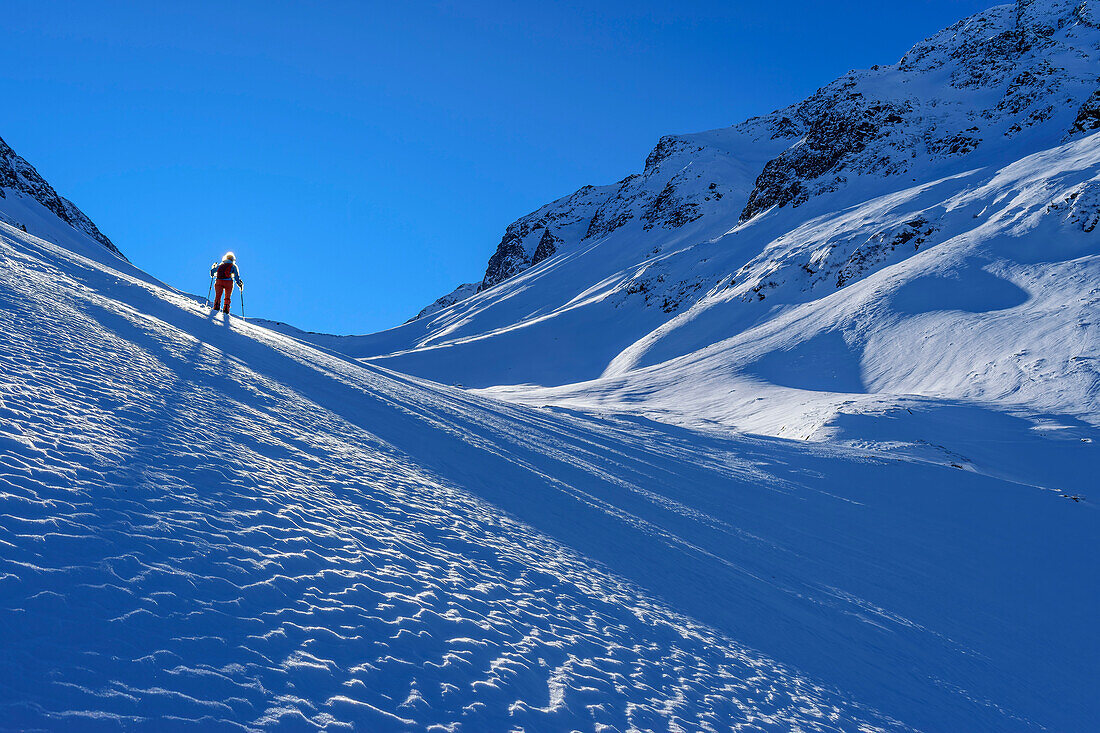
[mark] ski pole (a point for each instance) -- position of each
(242, 300)
(209, 292)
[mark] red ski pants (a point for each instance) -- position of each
(220, 287)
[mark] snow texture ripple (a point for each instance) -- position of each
(190, 541)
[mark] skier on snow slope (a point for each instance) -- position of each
(225, 273)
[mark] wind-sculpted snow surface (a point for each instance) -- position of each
(189, 540)
(207, 525)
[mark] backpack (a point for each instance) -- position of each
(225, 271)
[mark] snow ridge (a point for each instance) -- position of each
(20, 177)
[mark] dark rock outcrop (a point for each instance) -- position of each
(516, 250)
(616, 211)
(509, 258)
(1088, 117)
(18, 175)
(1081, 207)
(836, 129)
(548, 245)
(880, 246)
(666, 147)
(670, 209)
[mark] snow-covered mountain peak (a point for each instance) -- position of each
(24, 194)
(209, 523)
(1014, 70)
(1042, 18)
(843, 219)
(978, 84)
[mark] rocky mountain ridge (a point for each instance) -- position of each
(975, 85)
(19, 177)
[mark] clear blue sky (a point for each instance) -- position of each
(363, 158)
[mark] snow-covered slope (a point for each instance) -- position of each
(215, 524)
(208, 525)
(924, 230)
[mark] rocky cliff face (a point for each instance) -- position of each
(984, 79)
(548, 246)
(974, 86)
(664, 197)
(19, 177)
(1088, 117)
(571, 216)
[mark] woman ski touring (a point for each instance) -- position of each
(225, 272)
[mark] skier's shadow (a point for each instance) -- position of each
(181, 402)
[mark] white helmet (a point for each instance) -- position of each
(229, 257)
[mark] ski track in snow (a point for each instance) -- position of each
(187, 540)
